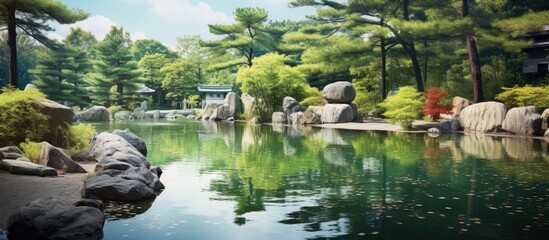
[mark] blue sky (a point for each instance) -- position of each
(165, 20)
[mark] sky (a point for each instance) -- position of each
(166, 20)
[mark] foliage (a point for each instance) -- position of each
(31, 150)
(21, 119)
(116, 78)
(31, 16)
(179, 81)
(432, 105)
(27, 51)
(270, 80)
(193, 100)
(150, 66)
(59, 74)
(114, 109)
(525, 96)
(247, 36)
(144, 47)
(80, 136)
(314, 97)
(403, 107)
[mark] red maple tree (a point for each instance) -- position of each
(432, 105)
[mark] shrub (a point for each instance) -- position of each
(31, 150)
(80, 136)
(270, 80)
(314, 97)
(432, 105)
(525, 96)
(193, 100)
(20, 118)
(403, 107)
(114, 109)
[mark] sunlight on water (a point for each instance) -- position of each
(235, 181)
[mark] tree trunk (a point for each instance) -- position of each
(383, 70)
(474, 59)
(412, 49)
(12, 47)
(425, 62)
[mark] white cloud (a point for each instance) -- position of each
(184, 11)
(138, 36)
(98, 25)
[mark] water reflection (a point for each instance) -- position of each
(326, 183)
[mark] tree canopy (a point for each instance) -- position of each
(31, 17)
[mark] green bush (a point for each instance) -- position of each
(525, 96)
(403, 107)
(314, 97)
(114, 109)
(80, 136)
(31, 150)
(20, 118)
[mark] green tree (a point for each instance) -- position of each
(144, 47)
(179, 81)
(270, 80)
(50, 77)
(27, 56)
(247, 36)
(31, 17)
(82, 40)
(150, 66)
(403, 107)
(116, 77)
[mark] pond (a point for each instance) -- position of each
(239, 181)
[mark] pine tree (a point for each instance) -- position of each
(247, 36)
(116, 77)
(31, 17)
(49, 76)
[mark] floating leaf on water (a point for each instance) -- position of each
(361, 234)
(375, 233)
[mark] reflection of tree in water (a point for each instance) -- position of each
(346, 183)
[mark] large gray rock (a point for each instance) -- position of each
(459, 104)
(57, 158)
(138, 113)
(279, 118)
(122, 115)
(247, 103)
(337, 113)
(222, 112)
(11, 152)
(523, 121)
(133, 184)
(133, 139)
(83, 156)
(296, 118)
(339, 92)
(50, 218)
(26, 168)
(312, 115)
(94, 114)
(59, 117)
(452, 125)
(234, 103)
(144, 105)
(545, 119)
(289, 107)
(30, 86)
(111, 145)
(483, 117)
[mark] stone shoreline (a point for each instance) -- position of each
(18, 190)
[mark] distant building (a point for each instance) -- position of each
(214, 94)
(537, 62)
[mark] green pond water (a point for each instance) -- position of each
(239, 181)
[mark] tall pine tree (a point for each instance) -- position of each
(31, 17)
(116, 78)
